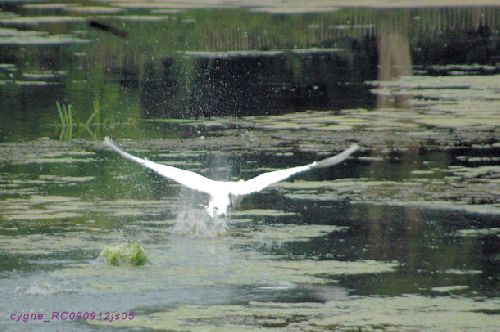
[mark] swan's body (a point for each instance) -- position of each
(221, 192)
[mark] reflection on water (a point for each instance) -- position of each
(406, 228)
(394, 61)
(195, 64)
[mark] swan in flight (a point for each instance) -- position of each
(221, 192)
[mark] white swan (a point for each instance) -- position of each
(221, 191)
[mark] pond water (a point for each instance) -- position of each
(401, 236)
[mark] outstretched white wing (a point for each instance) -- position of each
(263, 180)
(187, 178)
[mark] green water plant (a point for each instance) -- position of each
(130, 253)
(65, 114)
(94, 121)
(66, 121)
(95, 117)
(94, 125)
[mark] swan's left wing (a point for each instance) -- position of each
(266, 179)
(187, 178)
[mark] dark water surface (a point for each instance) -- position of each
(401, 236)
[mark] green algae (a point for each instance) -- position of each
(40, 215)
(46, 245)
(462, 272)
(92, 10)
(476, 232)
(399, 313)
(463, 188)
(245, 256)
(47, 6)
(141, 18)
(449, 289)
(241, 269)
(261, 212)
(445, 108)
(294, 233)
(229, 260)
(37, 207)
(129, 253)
(433, 120)
(33, 20)
(66, 179)
(40, 40)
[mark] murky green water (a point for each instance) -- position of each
(402, 236)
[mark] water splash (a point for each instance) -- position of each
(197, 223)
(192, 220)
(38, 288)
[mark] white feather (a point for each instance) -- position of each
(220, 191)
(189, 179)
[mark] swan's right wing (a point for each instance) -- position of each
(187, 178)
(266, 179)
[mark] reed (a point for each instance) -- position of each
(95, 117)
(94, 125)
(66, 121)
(65, 114)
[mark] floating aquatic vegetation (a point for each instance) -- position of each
(72, 232)
(11, 32)
(45, 151)
(129, 253)
(191, 265)
(41, 39)
(281, 233)
(390, 126)
(92, 9)
(33, 83)
(44, 75)
(301, 9)
(43, 245)
(36, 20)
(261, 212)
(455, 271)
(66, 179)
(40, 215)
(164, 5)
(140, 18)
(477, 232)
(166, 11)
(460, 69)
(8, 67)
(449, 289)
(56, 208)
(402, 313)
(48, 6)
(52, 160)
(24, 37)
(430, 193)
(37, 207)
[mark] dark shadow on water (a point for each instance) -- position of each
(255, 83)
